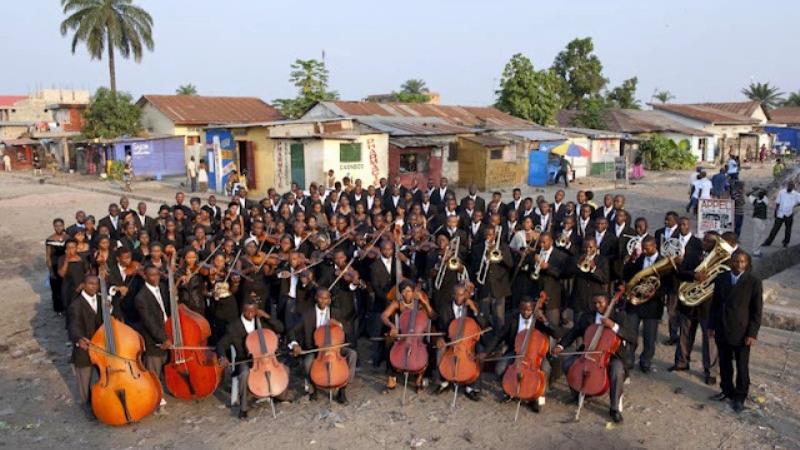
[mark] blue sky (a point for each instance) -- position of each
(701, 50)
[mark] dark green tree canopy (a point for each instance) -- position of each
(592, 114)
(663, 96)
(769, 96)
(310, 77)
(110, 116)
(412, 91)
(793, 100)
(186, 89)
(527, 93)
(581, 72)
(624, 95)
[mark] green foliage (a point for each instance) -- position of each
(661, 153)
(527, 93)
(412, 91)
(769, 96)
(106, 25)
(793, 100)
(311, 79)
(624, 95)
(664, 96)
(110, 116)
(116, 170)
(186, 89)
(580, 71)
(592, 114)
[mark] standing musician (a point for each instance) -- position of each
(125, 280)
(235, 336)
(670, 231)
(551, 263)
(391, 319)
(302, 337)
(568, 239)
(221, 295)
(607, 243)
(624, 233)
(526, 317)
(152, 305)
(585, 224)
(496, 285)
(591, 277)
(441, 294)
(647, 314)
(383, 277)
(343, 293)
(736, 309)
(616, 370)
(558, 208)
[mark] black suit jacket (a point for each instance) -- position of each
(214, 213)
(480, 204)
(587, 284)
(151, 320)
(587, 232)
(653, 308)
(437, 199)
(508, 334)
(736, 309)
(114, 232)
(303, 332)
(446, 316)
(659, 235)
(83, 323)
(550, 278)
(627, 333)
(610, 246)
(236, 335)
(498, 278)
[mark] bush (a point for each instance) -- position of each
(661, 153)
(116, 170)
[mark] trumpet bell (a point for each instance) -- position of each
(453, 264)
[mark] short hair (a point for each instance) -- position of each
(123, 251)
(58, 220)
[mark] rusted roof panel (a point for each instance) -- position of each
(203, 110)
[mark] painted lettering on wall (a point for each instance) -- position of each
(140, 149)
(373, 161)
(279, 179)
(347, 167)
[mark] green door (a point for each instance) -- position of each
(298, 165)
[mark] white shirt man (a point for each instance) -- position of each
(524, 323)
(90, 299)
(702, 188)
(786, 202)
(156, 291)
(249, 325)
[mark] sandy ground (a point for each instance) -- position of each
(662, 410)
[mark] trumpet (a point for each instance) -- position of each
(586, 263)
(489, 256)
(449, 261)
(537, 268)
(563, 241)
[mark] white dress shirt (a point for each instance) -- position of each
(786, 202)
(650, 260)
(598, 319)
(249, 325)
(91, 300)
(458, 311)
(157, 294)
(524, 323)
(387, 262)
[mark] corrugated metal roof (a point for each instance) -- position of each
(412, 126)
(9, 100)
(707, 112)
(540, 135)
(426, 141)
(203, 110)
(21, 141)
(490, 140)
(785, 116)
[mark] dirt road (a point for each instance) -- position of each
(662, 410)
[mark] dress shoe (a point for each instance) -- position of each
(341, 397)
(616, 416)
(536, 407)
(677, 369)
(719, 397)
(312, 396)
(670, 341)
(441, 388)
(473, 395)
(645, 369)
(738, 406)
(710, 380)
(506, 398)
(243, 415)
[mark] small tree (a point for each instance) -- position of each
(186, 89)
(663, 96)
(624, 95)
(661, 153)
(110, 116)
(593, 114)
(311, 79)
(769, 96)
(793, 100)
(412, 91)
(527, 93)
(581, 73)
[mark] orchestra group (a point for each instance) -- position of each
(448, 294)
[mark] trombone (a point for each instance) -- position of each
(531, 246)
(449, 261)
(490, 256)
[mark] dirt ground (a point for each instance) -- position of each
(662, 410)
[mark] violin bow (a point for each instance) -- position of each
(233, 264)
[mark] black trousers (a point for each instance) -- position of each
(649, 331)
(560, 174)
(727, 355)
(683, 351)
(672, 315)
(776, 226)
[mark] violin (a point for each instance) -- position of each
(588, 375)
(329, 370)
(525, 379)
(126, 392)
(268, 377)
(191, 374)
(350, 276)
(134, 268)
(410, 354)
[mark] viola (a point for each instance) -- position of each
(125, 392)
(329, 370)
(588, 375)
(459, 364)
(525, 379)
(192, 372)
(134, 268)
(410, 354)
(268, 377)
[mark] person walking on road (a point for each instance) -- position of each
(563, 171)
(758, 198)
(191, 173)
(787, 201)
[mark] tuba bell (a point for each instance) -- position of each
(644, 285)
(693, 293)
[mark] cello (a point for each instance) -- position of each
(410, 354)
(329, 369)
(192, 372)
(268, 378)
(588, 375)
(459, 365)
(126, 392)
(525, 379)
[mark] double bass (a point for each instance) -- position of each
(459, 365)
(192, 372)
(268, 377)
(525, 379)
(410, 353)
(588, 375)
(126, 392)
(329, 369)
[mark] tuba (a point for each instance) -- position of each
(644, 285)
(693, 293)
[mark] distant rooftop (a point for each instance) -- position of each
(203, 110)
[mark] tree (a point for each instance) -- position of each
(624, 95)
(769, 96)
(527, 93)
(311, 79)
(661, 153)
(110, 115)
(593, 113)
(186, 89)
(412, 91)
(108, 25)
(664, 96)
(793, 100)
(580, 71)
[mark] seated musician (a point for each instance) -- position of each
(302, 337)
(235, 336)
(616, 370)
(461, 305)
(391, 319)
(521, 322)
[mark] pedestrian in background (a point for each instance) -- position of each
(733, 168)
(778, 168)
(127, 171)
(563, 171)
(738, 197)
(719, 183)
(202, 176)
(191, 173)
(758, 198)
(701, 191)
(6, 162)
(785, 203)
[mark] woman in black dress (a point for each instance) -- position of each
(191, 287)
(72, 269)
(54, 250)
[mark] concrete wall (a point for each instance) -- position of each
(155, 122)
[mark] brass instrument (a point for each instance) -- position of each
(530, 246)
(671, 248)
(693, 293)
(563, 241)
(493, 255)
(449, 261)
(585, 263)
(644, 285)
(538, 266)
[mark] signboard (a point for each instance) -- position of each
(221, 160)
(714, 214)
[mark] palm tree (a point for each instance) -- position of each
(793, 100)
(414, 86)
(769, 96)
(186, 89)
(108, 25)
(663, 96)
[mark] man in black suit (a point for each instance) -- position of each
(516, 202)
(670, 230)
(179, 203)
(343, 293)
(142, 221)
(430, 211)
(552, 264)
(584, 223)
(735, 320)
(112, 221)
(85, 317)
(393, 200)
(476, 228)
(615, 321)
(592, 282)
(574, 243)
(607, 210)
(465, 213)
(235, 336)
(153, 306)
(624, 233)
(495, 206)
(558, 208)
(497, 284)
(123, 285)
(302, 337)
(480, 203)
(440, 194)
(606, 240)
(689, 317)
(383, 277)
(80, 219)
(214, 211)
